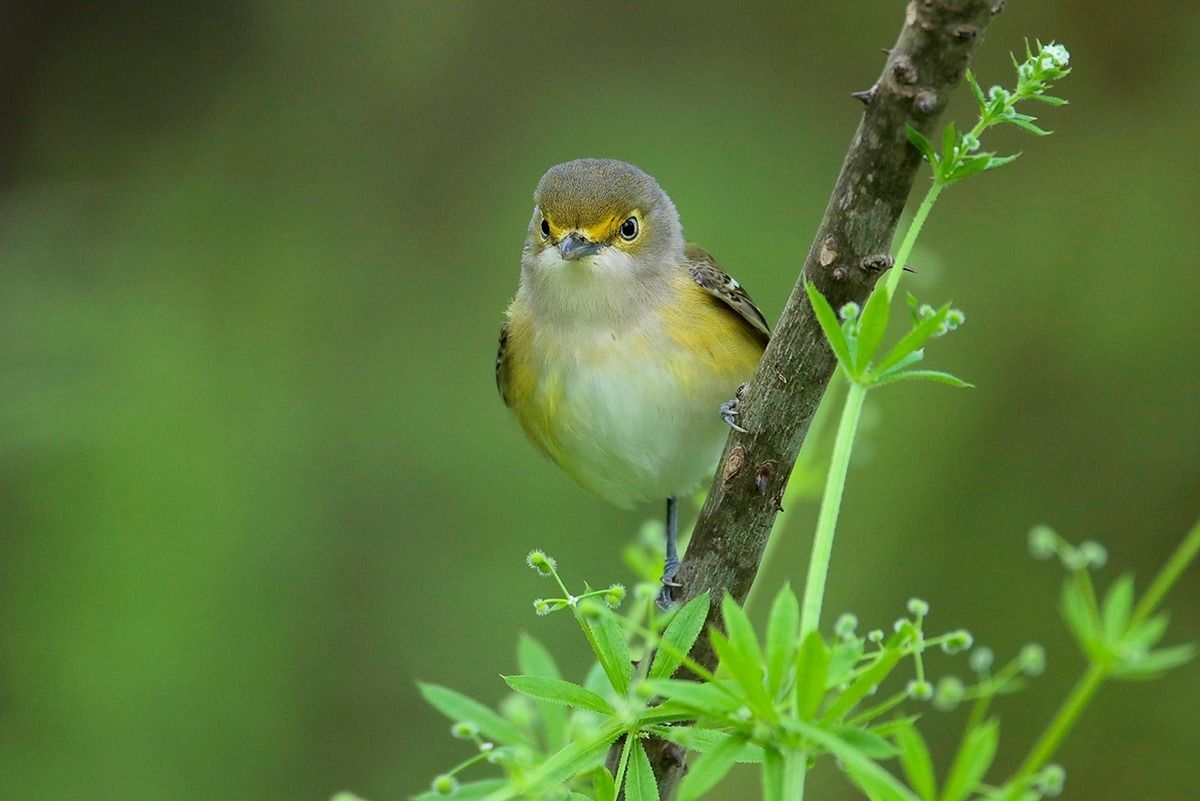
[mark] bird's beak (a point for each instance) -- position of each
(575, 246)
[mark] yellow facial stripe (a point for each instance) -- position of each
(602, 231)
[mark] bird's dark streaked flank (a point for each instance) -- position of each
(624, 342)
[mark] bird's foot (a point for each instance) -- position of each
(730, 410)
(666, 595)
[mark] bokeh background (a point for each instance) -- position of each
(254, 476)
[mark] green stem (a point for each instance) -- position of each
(831, 502)
(795, 765)
(1061, 725)
(1094, 676)
(1166, 578)
(910, 236)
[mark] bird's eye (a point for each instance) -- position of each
(629, 229)
(545, 227)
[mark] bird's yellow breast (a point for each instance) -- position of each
(630, 408)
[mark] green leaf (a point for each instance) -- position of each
(710, 768)
(999, 161)
(639, 777)
(972, 762)
(468, 791)
(746, 672)
(976, 91)
(704, 740)
(604, 787)
(921, 143)
(611, 649)
(865, 772)
(812, 669)
(782, 626)
(922, 375)
(829, 324)
(1025, 123)
(1118, 604)
(843, 659)
(874, 675)
(704, 697)
(1155, 663)
(679, 636)
(916, 761)
(1147, 634)
(558, 691)
(914, 339)
(577, 758)
(868, 742)
(740, 631)
(535, 660)
(462, 709)
(971, 165)
(906, 362)
(1081, 620)
(1049, 100)
(873, 324)
(949, 140)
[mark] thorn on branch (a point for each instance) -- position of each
(866, 95)
(996, 9)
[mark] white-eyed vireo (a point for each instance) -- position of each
(625, 343)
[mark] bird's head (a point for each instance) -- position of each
(600, 220)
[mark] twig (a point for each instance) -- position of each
(847, 256)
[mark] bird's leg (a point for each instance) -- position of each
(729, 409)
(671, 564)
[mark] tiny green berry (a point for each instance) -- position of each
(1032, 659)
(1095, 553)
(981, 659)
(845, 626)
(540, 562)
(957, 641)
(614, 595)
(918, 607)
(949, 694)
(464, 730)
(850, 311)
(444, 784)
(919, 690)
(875, 635)
(1051, 781)
(541, 607)
(1074, 559)
(1043, 542)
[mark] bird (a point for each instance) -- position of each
(625, 349)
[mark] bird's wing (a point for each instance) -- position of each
(502, 365)
(718, 283)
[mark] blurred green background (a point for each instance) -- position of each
(254, 475)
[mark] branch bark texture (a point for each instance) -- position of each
(848, 255)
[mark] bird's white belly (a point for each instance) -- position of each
(634, 429)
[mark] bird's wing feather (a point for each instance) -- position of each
(718, 283)
(502, 365)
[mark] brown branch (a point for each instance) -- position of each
(846, 258)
